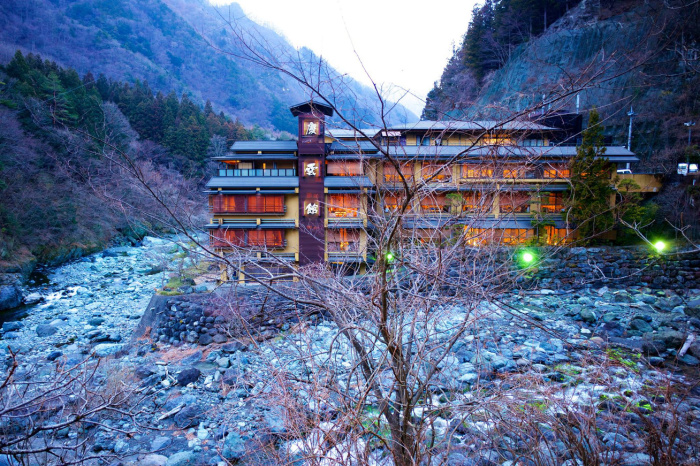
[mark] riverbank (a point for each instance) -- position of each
(205, 388)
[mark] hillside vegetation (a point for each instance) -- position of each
(69, 147)
(183, 46)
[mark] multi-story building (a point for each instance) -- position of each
(314, 199)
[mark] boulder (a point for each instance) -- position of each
(234, 447)
(205, 339)
(153, 460)
(10, 297)
(182, 458)
(588, 316)
(45, 330)
(33, 298)
(11, 326)
(693, 308)
(188, 376)
(189, 416)
(639, 325)
(106, 349)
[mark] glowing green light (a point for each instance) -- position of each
(390, 257)
(659, 246)
(528, 257)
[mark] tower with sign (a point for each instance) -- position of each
(311, 149)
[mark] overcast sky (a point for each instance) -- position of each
(402, 43)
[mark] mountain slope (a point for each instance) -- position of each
(164, 42)
(612, 56)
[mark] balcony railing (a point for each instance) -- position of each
(222, 243)
(237, 211)
(258, 172)
(343, 247)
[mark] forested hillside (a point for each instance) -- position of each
(69, 148)
(171, 44)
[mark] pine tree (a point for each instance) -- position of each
(591, 185)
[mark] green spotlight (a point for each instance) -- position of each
(528, 257)
(389, 257)
(659, 246)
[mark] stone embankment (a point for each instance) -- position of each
(210, 392)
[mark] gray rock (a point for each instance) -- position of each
(189, 416)
(693, 308)
(588, 315)
(230, 376)
(45, 330)
(182, 458)
(11, 326)
(33, 298)
(53, 355)
(690, 360)
(153, 460)
(159, 443)
(223, 362)
(469, 378)
(95, 321)
(234, 447)
(639, 325)
(188, 376)
(10, 296)
(106, 349)
(205, 339)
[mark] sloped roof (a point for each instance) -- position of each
(264, 146)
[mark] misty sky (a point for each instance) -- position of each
(405, 43)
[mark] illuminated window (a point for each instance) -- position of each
(343, 205)
(344, 168)
(552, 203)
(558, 236)
(475, 201)
(391, 175)
(392, 203)
(227, 238)
(435, 204)
(477, 171)
(343, 240)
(556, 172)
(514, 202)
(436, 172)
(519, 172)
(266, 238)
(241, 204)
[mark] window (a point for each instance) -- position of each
(242, 238)
(552, 203)
(391, 175)
(513, 236)
(558, 236)
(435, 204)
(519, 172)
(266, 238)
(227, 238)
(344, 168)
(241, 204)
(343, 205)
(477, 171)
(556, 171)
(514, 202)
(343, 240)
(437, 172)
(507, 236)
(475, 201)
(392, 203)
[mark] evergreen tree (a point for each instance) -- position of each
(591, 185)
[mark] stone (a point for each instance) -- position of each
(232, 347)
(95, 321)
(104, 350)
(230, 376)
(189, 416)
(469, 378)
(234, 447)
(160, 443)
(639, 325)
(588, 315)
(693, 308)
(11, 326)
(45, 330)
(153, 460)
(182, 458)
(33, 298)
(10, 297)
(144, 371)
(205, 339)
(219, 338)
(690, 360)
(188, 376)
(223, 362)
(53, 355)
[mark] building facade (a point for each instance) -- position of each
(316, 200)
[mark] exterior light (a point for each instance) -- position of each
(659, 246)
(389, 257)
(528, 257)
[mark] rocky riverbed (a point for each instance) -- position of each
(540, 374)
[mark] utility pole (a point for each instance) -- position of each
(630, 114)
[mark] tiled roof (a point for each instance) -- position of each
(244, 182)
